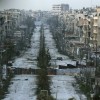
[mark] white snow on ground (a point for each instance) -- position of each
(22, 88)
(62, 88)
(50, 44)
(28, 60)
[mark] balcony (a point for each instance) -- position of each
(95, 31)
(95, 24)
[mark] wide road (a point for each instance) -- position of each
(28, 59)
(61, 85)
(23, 87)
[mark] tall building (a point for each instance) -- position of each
(64, 7)
(58, 8)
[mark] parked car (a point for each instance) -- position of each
(59, 58)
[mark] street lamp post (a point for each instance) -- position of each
(56, 92)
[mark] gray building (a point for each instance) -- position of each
(64, 7)
(59, 8)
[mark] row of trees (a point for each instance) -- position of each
(43, 80)
(58, 30)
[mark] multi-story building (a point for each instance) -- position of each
(2, 23)
(57, 9)
(96, 26)
(64, 7)
(96, 37)
(80, 31)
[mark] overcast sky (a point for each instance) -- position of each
(46, 4)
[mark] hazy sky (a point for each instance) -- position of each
(45, 4)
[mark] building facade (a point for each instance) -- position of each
(60, 8)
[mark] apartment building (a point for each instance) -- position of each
(60, 8)
(96, 26)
